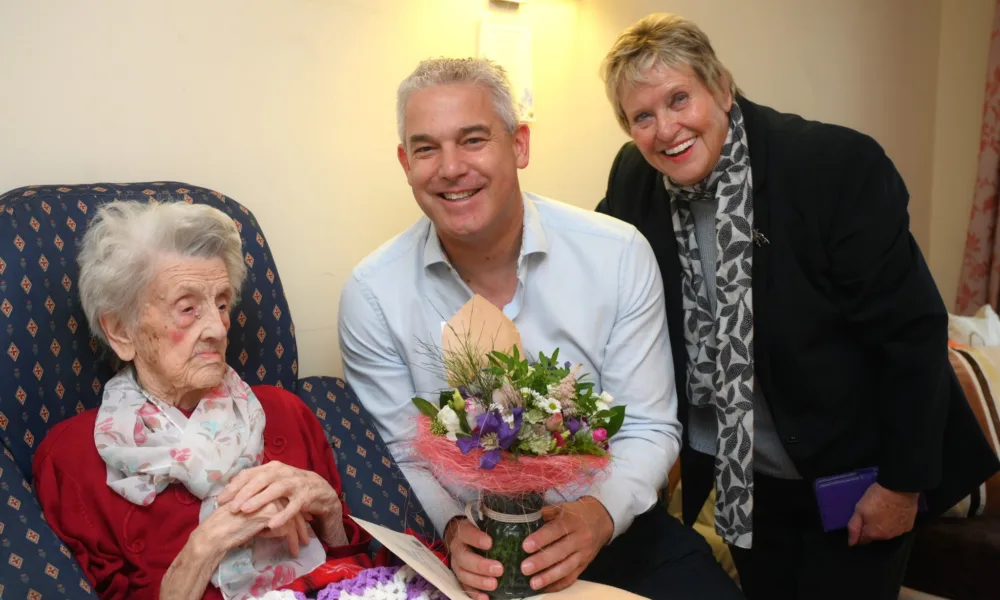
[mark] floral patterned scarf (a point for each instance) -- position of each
(720, 345)
(148, 445)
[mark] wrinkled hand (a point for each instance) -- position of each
(295, 531)
(882, 514)
(474, 571)
(570, 539)
(223, 530)
(305, 493)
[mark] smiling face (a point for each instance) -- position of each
(179, 346)
(677, 123)
(462, 163)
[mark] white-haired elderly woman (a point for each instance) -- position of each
(186, 483)
(809, 339)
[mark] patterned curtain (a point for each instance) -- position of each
(980, 280)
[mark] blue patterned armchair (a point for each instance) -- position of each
(53, 369)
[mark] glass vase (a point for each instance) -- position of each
(508, 520)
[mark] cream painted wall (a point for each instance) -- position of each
(965, 39)
(288, 105)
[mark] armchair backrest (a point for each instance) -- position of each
(51, 367)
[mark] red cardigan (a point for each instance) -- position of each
(125, 549)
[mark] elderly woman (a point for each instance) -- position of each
(809, 339)
(185, 483)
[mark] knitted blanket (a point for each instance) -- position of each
(380, 583)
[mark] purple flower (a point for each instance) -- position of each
(573, 425)
(493, 435)
(567, 364)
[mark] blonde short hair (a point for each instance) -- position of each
(661, 39)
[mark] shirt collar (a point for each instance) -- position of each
(532, 241)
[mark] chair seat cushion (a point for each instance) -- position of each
(956, 558)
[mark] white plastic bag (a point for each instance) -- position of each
(981, 329)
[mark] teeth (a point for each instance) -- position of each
(679, 149)
(459, 195)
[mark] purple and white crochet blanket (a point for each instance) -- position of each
(380, 583)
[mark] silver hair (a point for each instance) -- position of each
(118, 254)
(444, 71)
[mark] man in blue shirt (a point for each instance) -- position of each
(569, 279)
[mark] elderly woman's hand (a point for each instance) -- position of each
(295, 531)
(224, 530)
(305, 492)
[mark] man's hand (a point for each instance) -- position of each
(474, 571)
(572, 536)
(882, 515)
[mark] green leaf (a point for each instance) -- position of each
(426, 407)
(443, 399)
(463, 423)
(615, 420)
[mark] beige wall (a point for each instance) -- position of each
(288, 106)
(965, 38)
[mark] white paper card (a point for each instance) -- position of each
(423, 561)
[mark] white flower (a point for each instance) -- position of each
(530, 394)
(551, 406)
(449, 418)
(603, 401)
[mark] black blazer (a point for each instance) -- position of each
(850, 337)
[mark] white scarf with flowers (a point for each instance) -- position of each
(148, 445)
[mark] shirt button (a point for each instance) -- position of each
(792, 439)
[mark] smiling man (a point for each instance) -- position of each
(569, 279)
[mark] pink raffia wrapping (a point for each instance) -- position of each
(527, 474)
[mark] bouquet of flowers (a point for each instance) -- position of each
(512, 410)
(511, 428)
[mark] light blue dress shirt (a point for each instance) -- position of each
(587, 284)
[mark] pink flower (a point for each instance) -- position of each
(180, 454)
(600, 434)
(272, 578)
(139, 432)
(283, 575)
(219, 392)
(148, 410)
(106, 425)
(260, 584)
(554, 422)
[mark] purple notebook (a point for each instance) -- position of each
(837, 495)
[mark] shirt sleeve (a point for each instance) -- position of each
(84, 531)
(380, 378)
(638, 371)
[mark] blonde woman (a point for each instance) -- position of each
(808, 337)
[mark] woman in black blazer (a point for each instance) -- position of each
(809, 339)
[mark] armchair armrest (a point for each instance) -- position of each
(374, 488)
(34, 563)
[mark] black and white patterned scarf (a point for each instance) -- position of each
(720, 345)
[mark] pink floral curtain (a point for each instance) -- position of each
(980, 280)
